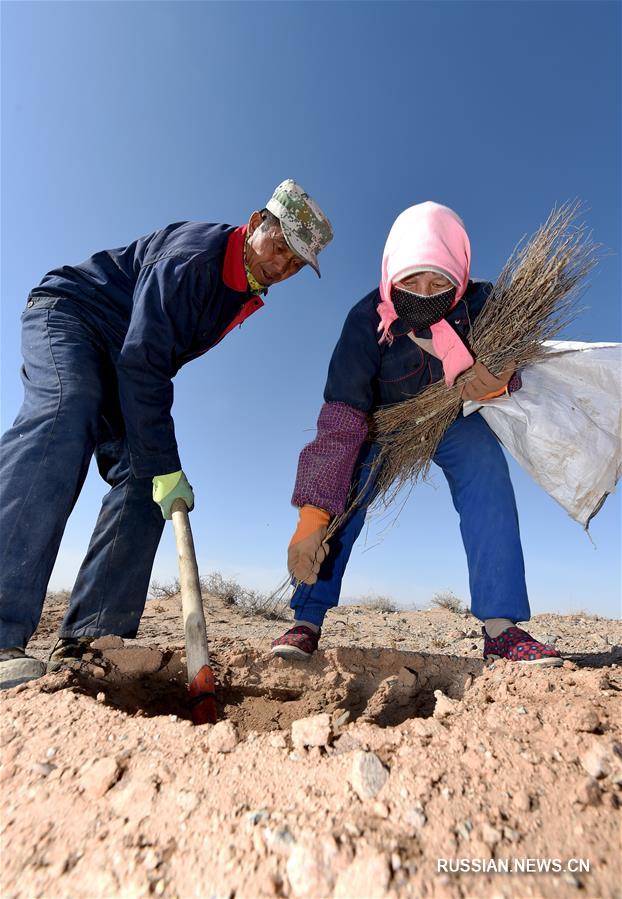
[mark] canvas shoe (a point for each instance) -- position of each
(517, 645)
(298, 642)
(68, 652)
(17, 668)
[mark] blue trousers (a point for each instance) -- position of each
(70, 412)
(477, 473)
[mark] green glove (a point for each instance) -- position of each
(169, 487)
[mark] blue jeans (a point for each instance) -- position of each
(477, 473)
(70, 411)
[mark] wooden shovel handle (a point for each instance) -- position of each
(197, 653)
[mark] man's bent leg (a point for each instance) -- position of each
(473, 463)
(112, 584)
(44, 459)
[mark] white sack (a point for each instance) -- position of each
(564, 426)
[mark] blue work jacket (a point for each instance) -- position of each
(158, 303)
(368, 375)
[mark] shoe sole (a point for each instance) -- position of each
(546, 662)
(290, 652)
(14, 672)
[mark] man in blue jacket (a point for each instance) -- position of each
(101, 343)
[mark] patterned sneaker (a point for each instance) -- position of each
(298, 642)
(519, 646)
(68, 652)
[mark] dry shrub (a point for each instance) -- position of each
(57, 597)
(250, 602)
(448, 600)
(230, 593)
(379, 603)
(584, 613)
(160, 590)
(216, 585)
(438, 643)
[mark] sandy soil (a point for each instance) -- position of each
(350, 776)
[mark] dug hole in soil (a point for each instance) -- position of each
(348, 776)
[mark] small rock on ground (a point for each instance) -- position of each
(444, 706)
(311, 731)
(368, 775)
(97, 778)
(367, 877)
(223, 737)
(310, 869)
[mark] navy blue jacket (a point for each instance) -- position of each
(367, 375)
(158, 303)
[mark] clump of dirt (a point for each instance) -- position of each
(349, 776)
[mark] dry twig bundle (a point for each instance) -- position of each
(534, 298)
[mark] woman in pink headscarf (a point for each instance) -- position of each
(409, 332)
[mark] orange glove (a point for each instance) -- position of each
(484, 386)
(308, 549)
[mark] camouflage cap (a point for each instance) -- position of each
(305, 227)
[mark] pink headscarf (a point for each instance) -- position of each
(428, 237)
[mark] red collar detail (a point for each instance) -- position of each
(247, 309)
(233, 270)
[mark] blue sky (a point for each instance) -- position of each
(118, 118)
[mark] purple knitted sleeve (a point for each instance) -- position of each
(326, 464)
(515, 383)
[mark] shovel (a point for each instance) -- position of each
(200, 675)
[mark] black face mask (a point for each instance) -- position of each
(420, 311)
